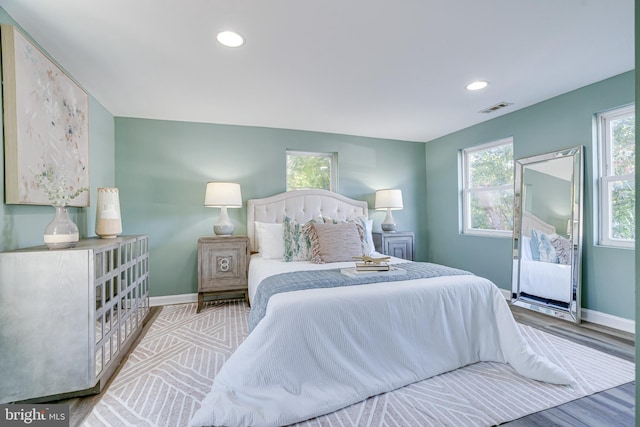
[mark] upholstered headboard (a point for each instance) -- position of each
(301, 205)
(530, 221)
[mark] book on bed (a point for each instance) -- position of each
(369, 266)
(354, 272)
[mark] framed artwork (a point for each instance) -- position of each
(46, 128)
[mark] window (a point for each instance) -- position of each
(487, 189)
(311, 170)
(617, 156)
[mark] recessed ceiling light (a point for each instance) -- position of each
(230, 39)
(477, 85)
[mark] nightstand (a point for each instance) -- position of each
(222, 266)
(398, 244)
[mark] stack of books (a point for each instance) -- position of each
(372, 270)
(372, 266)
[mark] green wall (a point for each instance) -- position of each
(23, 225)
(162, 168)
(561, 122)
(549, 197)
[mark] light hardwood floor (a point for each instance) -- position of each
(614, 407)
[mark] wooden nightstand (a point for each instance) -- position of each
(222, 266)
(398, 244)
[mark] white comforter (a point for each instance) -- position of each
(317, 351)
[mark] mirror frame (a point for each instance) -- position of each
(572, 312)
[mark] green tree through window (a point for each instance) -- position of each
(307, 170)
(617, 177)
(488, 188)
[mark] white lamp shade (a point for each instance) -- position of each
(223, 194)
(388, 199)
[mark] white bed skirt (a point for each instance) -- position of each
(544, 280)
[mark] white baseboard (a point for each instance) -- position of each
(599, 318)
(604, 319)
(592, 316)
(173, 299)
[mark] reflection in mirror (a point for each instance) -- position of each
(548, 233)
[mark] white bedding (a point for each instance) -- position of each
(542, 279)
(317, 351)
(545, 280)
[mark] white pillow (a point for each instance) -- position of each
(525, 249)
(367, 229)
(270, 240)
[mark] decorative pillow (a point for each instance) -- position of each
(545, 248)
(368, 247)
(270, 240)
(335, 242)
(563, 248)
(533, 245)
(297, 246)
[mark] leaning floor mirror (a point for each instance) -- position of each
(547, 236)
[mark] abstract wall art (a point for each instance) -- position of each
(46, 128)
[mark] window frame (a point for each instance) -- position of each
(606, 175)
(333, 173)
(466, 191)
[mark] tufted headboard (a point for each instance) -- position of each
(301, 205)
(530, 222)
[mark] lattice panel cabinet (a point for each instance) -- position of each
(69, 316)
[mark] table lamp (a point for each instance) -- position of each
(223, 195)
(391, 200)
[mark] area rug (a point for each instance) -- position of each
(171, 370)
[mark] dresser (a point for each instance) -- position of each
(222, 266)
(69, 316)
(399, 244)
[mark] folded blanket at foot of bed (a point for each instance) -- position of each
(320, 350)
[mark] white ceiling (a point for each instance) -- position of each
(379, 68)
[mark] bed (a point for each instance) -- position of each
(548, 279)
(317, 350)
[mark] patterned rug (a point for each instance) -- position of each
(171, 370)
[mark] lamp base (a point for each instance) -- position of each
(223, 230)
(388, 227)
(224, 226)
(389, 223)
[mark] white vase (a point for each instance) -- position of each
(61, 233)
(108, 220)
